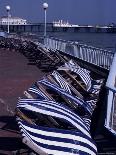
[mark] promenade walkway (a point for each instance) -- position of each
(16, 75)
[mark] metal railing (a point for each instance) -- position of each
(110, 122)
(96, 56)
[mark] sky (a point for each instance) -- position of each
(82, 12)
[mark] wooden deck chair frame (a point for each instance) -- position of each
(78, 83)
(49, 118)
(75, 91)
(64, 98)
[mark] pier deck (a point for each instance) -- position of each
(16, 75)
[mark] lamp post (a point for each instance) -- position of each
(45, 6)
(8, 10)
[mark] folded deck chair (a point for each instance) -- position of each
(55, 110)
(43, 140)
(34, 118)
(77, 101)
(41, 94)
(75, 82)
(62, 82)
(63, 58)
(96, 86)
(93, 91)
(47, 58)
(55, 96)
(83, 73)
(65, 85)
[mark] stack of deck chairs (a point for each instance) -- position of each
(54, 115)
(35, 52)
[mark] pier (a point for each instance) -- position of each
(39, 27)
(21, 66)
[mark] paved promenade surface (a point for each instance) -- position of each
(16, 75)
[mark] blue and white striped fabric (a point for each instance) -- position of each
(65, 85)
(37, 91)
(96, 86)
(100, 81)
(94, 91)
(83, 73)
(92, 103)
(87, 121)
(56, 141)
(62, 82)
(61, 91)
(54, 109)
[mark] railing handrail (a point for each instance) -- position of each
(82, 45)
(97, 56)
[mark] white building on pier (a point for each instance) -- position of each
(12, 21)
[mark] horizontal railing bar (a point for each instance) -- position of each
(82, 45)
(96, 56)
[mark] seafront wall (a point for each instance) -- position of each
(50, 28)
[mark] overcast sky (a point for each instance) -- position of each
(87, 12)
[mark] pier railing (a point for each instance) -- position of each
(110, 122)
(97, 56)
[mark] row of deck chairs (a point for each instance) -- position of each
(35, 52)
(54, 115)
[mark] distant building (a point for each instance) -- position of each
(12, 21)
(62, 23)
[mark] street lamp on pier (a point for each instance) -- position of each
(45, 6)
(8, 14)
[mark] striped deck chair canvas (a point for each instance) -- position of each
(55, 110)
(65, 85)
(96, 86)
(61, 91)
(38, 92)
(83, 73)
(52, 141)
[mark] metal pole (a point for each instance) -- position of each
(8, 23)
(45, 23)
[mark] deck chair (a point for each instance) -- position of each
(81, 72)
(65, 117)
(34, 118)
(40, 93)
(45, 57)
(65, 85)
(78, 85)
(65, 100)
(43, 140)
(49, 95)
(71, 78)
(93, 86)
(96, 86)
(62, 57)
(76, 101)
(49, 57)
